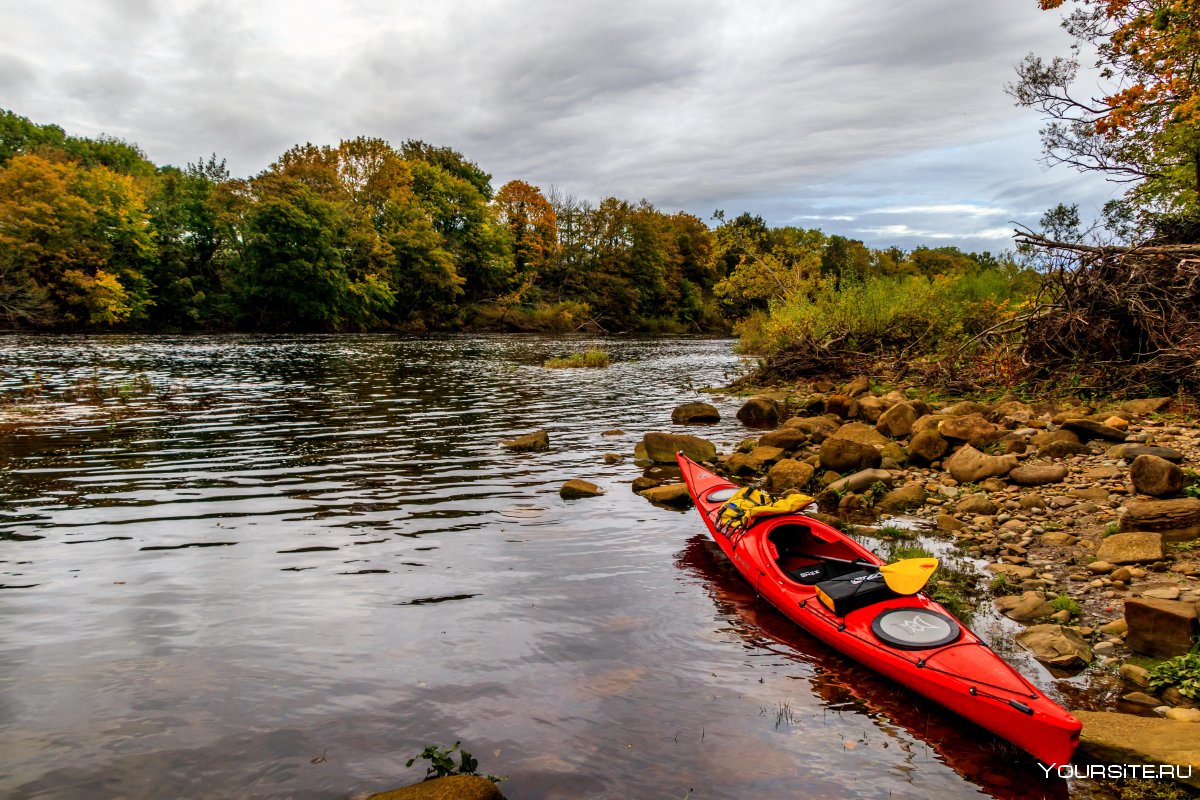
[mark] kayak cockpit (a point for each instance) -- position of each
(801, 553)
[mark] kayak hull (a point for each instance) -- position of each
(963, 675)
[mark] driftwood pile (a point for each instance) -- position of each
(1113, 318)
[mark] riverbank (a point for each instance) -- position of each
(1086, 515)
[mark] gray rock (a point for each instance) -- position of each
(1132, 451)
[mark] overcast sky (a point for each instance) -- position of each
(884, 120)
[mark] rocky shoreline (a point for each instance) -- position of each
(1086, 515)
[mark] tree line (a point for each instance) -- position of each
(368, 236)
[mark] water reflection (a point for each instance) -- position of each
(309, 546)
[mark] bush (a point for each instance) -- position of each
(592, 359)
(1182, 672)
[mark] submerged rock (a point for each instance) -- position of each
(661, 447)
(671, 494)
(452, 787)
(530, 442)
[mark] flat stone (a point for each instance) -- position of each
(1163, 628)
(1024, 607)
(576, 488)
(1056, 450)
(862, 433)
(1149, 405)
(1132, 451)
(661, 447)
(1130, 739)
(1184, 715)
(784, 438)
(1101, 567)
(1162, 593)
(671, 494)
(977, 503)
(1141, 699)
(1131, 548)
(1138, 676)
(1038, 474)
(1013, 571)
(968, 465)
(971, 428)
(530, 442)
(1177, 520)
(1056, 645)
(1058, 539)
(1090, 429)
(947, 522)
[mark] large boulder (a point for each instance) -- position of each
(871, 408)
(695, 414)
(1056, 645)
(785, 438)
(671, 494)
(969, 465)
(1038, 474)
(661, 447)
(842, 455)
(897, 421)
(862, 480)
(909, 496)
(857, 386)
(1177, 520)
(1131, 548)
(451, 787)
(1162, 628)
(1156, 476)
(1131, 739)
(841, 405)
(1024, 607)
(759, 412)
(1128, 451)
(927, 446)
(788, 473)
(1056, 450)
(1088, 429)
(530, 442)
(970, 428)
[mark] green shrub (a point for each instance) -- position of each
(1182, 672)
(592, 359)
(1064, 603)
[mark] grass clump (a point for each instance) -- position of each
(1064, 603)
(591, 359)
(895, 532)
(1001, 586)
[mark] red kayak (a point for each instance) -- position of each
(791, 559)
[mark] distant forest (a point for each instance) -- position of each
(370, 236)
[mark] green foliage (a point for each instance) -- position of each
(1064, 603)
(1001, 586)
(442, 764)
(1182, 672)
(591, 359)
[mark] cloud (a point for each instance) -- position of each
(820, 111)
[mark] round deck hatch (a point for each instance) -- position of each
(914, 628)
(721, 495)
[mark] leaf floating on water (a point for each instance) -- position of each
(313, 549)
(522, 512)
(21, 537)
(424, 601)
(367, 572)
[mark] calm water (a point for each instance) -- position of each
(312, 549)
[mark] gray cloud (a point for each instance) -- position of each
(817, 113)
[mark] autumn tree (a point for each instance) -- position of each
(1144, 128)
(532, 227)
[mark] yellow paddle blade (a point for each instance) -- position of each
(909, 575)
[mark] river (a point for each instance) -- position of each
(278, 567)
